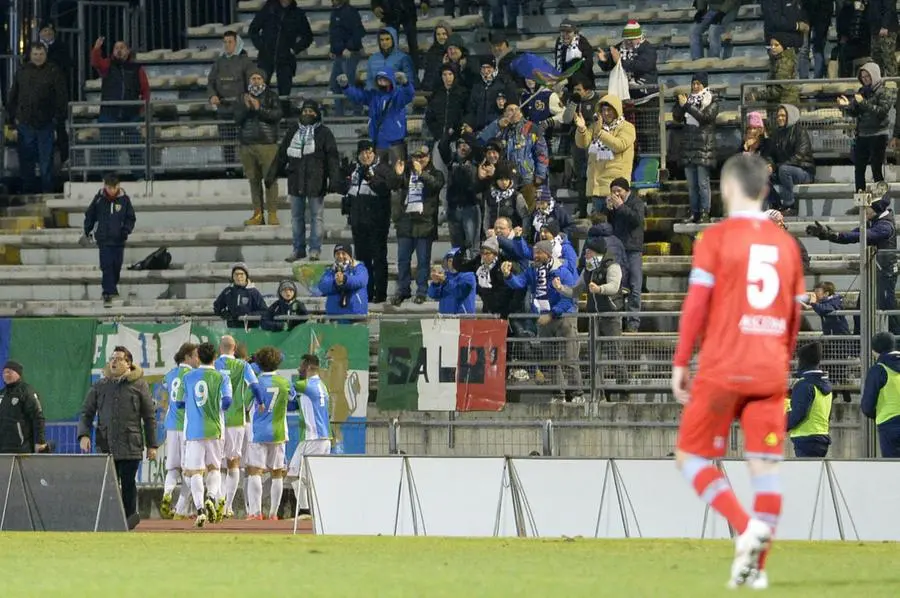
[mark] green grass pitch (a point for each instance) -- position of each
(167, 565)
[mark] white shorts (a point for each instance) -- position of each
(266, 455)
(248, 438)
(234, 443)
(174, 449)
(307, 447)
(201, 454)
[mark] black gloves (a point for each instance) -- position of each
(823, 233)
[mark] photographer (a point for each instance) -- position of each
(344, 285)
(453, 289)
(21, 416)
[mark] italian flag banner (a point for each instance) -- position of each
(442, 365)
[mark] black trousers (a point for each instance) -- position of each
(869, 151)
(285, 71)
(127, 470)
(810, 447)
(111, 258)
(370, 244)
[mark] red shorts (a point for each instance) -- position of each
(707, 419)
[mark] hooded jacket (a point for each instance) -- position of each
(349, 298)
(259, 127)
(345, 29)
(876, 378)
(456, 295)
(434, 60)
(280, 33)
(446, 108)
(311, 172)
(235, 301)
(698, 133)
(123, 80)
(468, 73)
(803, 394)
(126, 419)
(113, 217)
(628, 222)
(229, 75)
(791, 144)
(38, 95)
(395, 60)
(618, 139)
(524, 146)
(539, 281)
(416, 225)
(387, 109)
(21, 418)
(873, 114)
(281, 307)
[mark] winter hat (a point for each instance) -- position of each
(494, 144)
(420, 151)
(486, 60)
(621, 183)
(545, 247)
(632, 30)
(596, 244)
(492, 245)
(501, 94)
(881, 204)
(455, 256)
(755, 120)
(312, 105)
(552, 226)
(14, 366)
(344, 247)
(287, 284)
(466, 138)
(884, 342)
(544, 194)
(256, 71)
(503, 170)
(567, 25)
(702, 77)
(240, 266)
(364, 144)
(809, 356)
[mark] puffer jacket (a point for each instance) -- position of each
(698, 135)
(21, 418)
(791, 144)
(456, 295)
(349, 298)
(524, 146)
(873, 114)
(121, 406)
(387, 109)
(258, 127)
(311, 174)
(619, 139)
(412, 225)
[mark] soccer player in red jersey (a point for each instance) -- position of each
(742, 306)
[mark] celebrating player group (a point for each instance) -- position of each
(224, 411)
(743, 308)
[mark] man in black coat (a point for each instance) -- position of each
(21, 416)
(126, 423)
(280, 31)
(113, 216)
(626, 212)
(58, 54)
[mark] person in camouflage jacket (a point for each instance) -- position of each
(782, 66)
(871, 106)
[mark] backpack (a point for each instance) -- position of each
(158, 260)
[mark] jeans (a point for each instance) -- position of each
(465, 227)
(343, 65)
(815, 40)
(635, 263)
(127, 134)
(714, 36)
(869, 151)
(36, 149)
(111, 258)
(787, 176)
(126, 471)
(512, 13)
(298, 223)
(698, 188)
(405, 248)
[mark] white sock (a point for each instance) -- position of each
(231, 486)
(184, 497)
(254, 494)
(215, 485)
(275, 495)
(246, 494)
(197, 490)
(171, 482)
(300, 494)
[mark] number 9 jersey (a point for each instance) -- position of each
(206, 394)
(752, 270)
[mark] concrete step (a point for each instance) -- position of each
(832, 190)
(21, 224)
(796, 226)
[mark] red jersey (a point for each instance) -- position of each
(753, 275)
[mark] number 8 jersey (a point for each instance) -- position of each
(753, 271)
(206, 394)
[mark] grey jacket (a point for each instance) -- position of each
(259, 127)
(120, 407)
(228, 77)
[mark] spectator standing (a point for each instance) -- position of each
(883, 25)
(345, 37)
(483, 108)
(387, 111)
(584, 100)
(504, 56)
(539, 104)
(344, 285)
(58, 54)
(434, 56)
(396, 15)
(389, 58)
(786, 21)
(122, 404)
(871, 106)
(280, 32)
(447, 106)
(511, 24)
(414, 211)
(626, 212)
(37, 104)
(571, 47)
(609, 142)
(698, 112)
(782, 66)
(809, 408)
(638, 57)
(309, 155)
(113, 216)
(453, 289)
(123, 81)
(881, 398)
(826, 302)
(287, 304)
(614, 247)
(789, 152)
(228, 79)
(820, 14)
(546, 211)
(368, 206)
(490, 283)
(502, 198)
(854, 39)
(714, 17)
(463, 209)
(240, 298)
(458, 55)
(21, 415)
(257, 114)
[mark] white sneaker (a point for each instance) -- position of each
(200, 521)
(759, 581)
(747, 549)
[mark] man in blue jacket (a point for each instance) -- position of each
(454, 290)
(344, 286)
(809, 408)
(345, 38)
(881, 394)
(389, 58)
(387, 111)
(557, 317)
(113, 215)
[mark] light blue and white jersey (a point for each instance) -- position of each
(315, 409)
(172, 382)
(205, 394)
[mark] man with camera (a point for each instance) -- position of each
(344, 285)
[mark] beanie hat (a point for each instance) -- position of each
(240, 266)
(621, 183)
(545, 247)
(552, 226)
(344, 247)
(256, 71)
(596, 244)
(491, 244)
(312, 105)
(702, 77)
(466, 138)
(486, 60)
(632, 30)
(881, 204)
(494, 144)
(455, 257)
(567, 25)
(544, 194)
(755, 120)
(503, 170)
(364, 144)
(883, 342)
(287, 284)
(809, 356)
(14, 366)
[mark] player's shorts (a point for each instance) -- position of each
(234, 443)
(248, 438)
(174, 449)
(265, 455)
(707, 419)
(201, 454)
(307, 447)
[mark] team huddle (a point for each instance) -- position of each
(227, 413)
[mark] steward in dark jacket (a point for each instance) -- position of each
(312, 169)
(880, 400)
(287, 304)
(279, 33)
(240, 298)
(447, 106)
(21, 416)
(809, 408)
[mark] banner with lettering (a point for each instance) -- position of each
(442, 365)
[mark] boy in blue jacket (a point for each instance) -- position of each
(387, 110)
(345, 38)
(454, 290)
(809, 409)
(113, 215)
(827, 302)
(881, 394)
(389, 58)
(344, 285)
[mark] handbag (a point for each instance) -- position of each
(618, 82)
